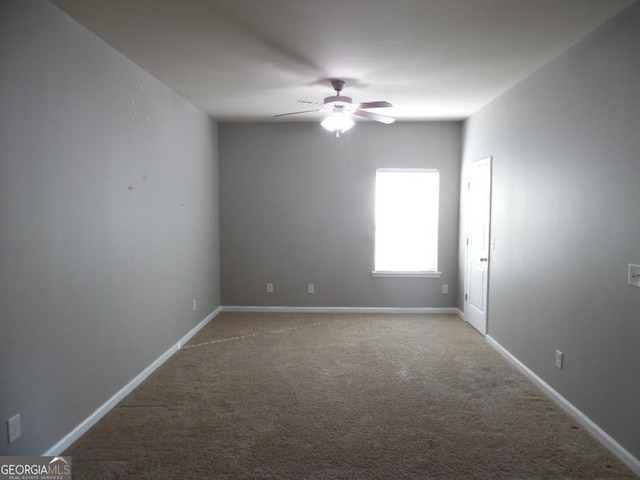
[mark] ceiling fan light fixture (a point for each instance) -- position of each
(338, 122)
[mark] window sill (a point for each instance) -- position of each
(377, 273)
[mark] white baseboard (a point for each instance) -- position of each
(101, 411)
(203, 323)
(392, 310)
(618, 450)
(460, 314)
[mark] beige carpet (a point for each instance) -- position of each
(323, 396)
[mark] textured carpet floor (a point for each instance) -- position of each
(322, 396)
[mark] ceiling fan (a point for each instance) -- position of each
(341, 108)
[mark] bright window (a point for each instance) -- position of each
(406, 236)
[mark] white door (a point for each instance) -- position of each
(478, 222)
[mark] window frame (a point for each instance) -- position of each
(412, 273)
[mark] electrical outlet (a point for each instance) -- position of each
(195, 305)
(559, 358)
(269, 287)
(445, 288)
(634, 275)
(311, 288)
(14, 430)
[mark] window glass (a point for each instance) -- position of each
(406, 220)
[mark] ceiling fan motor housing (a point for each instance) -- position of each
(337, 100)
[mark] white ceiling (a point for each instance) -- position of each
(252, 59)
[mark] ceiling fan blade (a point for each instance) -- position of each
(296, 113)
(375, 105)
(374, 116)
(313, 103)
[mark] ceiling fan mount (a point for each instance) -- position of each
(337, 100)
(337, 85)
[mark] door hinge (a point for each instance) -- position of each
(467, 241)
(465, 297)
(468, 185)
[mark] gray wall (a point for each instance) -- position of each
(97, 279)
(297, 207)
(566, 195)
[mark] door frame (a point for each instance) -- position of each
(489, 160)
